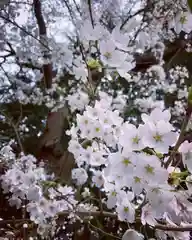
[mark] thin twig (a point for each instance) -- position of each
(18, 137)
(103, 232)
(172, 58)
(104, 214)
(90, 13)
(25, 237)
(179, 140)
(14, 221)
(16, 132)
(90, 214)
(131, 16)
(23, 29)
(77, 7)
(20, 116)
(100, 202)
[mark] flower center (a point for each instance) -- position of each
(97, 129)
(158, 138)
(126, 161)
(149, 169)
(108, 55)
(126, 209)
(136, 140)
(137, 179)
(113, 194)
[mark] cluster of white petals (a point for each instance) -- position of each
(115, 152)
(26, 181)
(122, 133)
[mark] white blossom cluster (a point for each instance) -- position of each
(26, 182)
(117, 159)
(174, 84)
(121, 159)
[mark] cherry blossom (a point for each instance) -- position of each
(123, 136)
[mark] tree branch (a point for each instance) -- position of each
(180, 139)
(21, 28)
(47, 67)
(104, 214)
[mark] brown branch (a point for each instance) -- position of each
(114, 215)
(104, 214)
(47, 67)
(89, 214)
(186, 228)
(103, 232)
(39, 17)
(14, 221)
(11, 48)
(15, 128)
(180, 139)
(131, 16)
(90, 12)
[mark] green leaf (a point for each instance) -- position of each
(190, 4)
